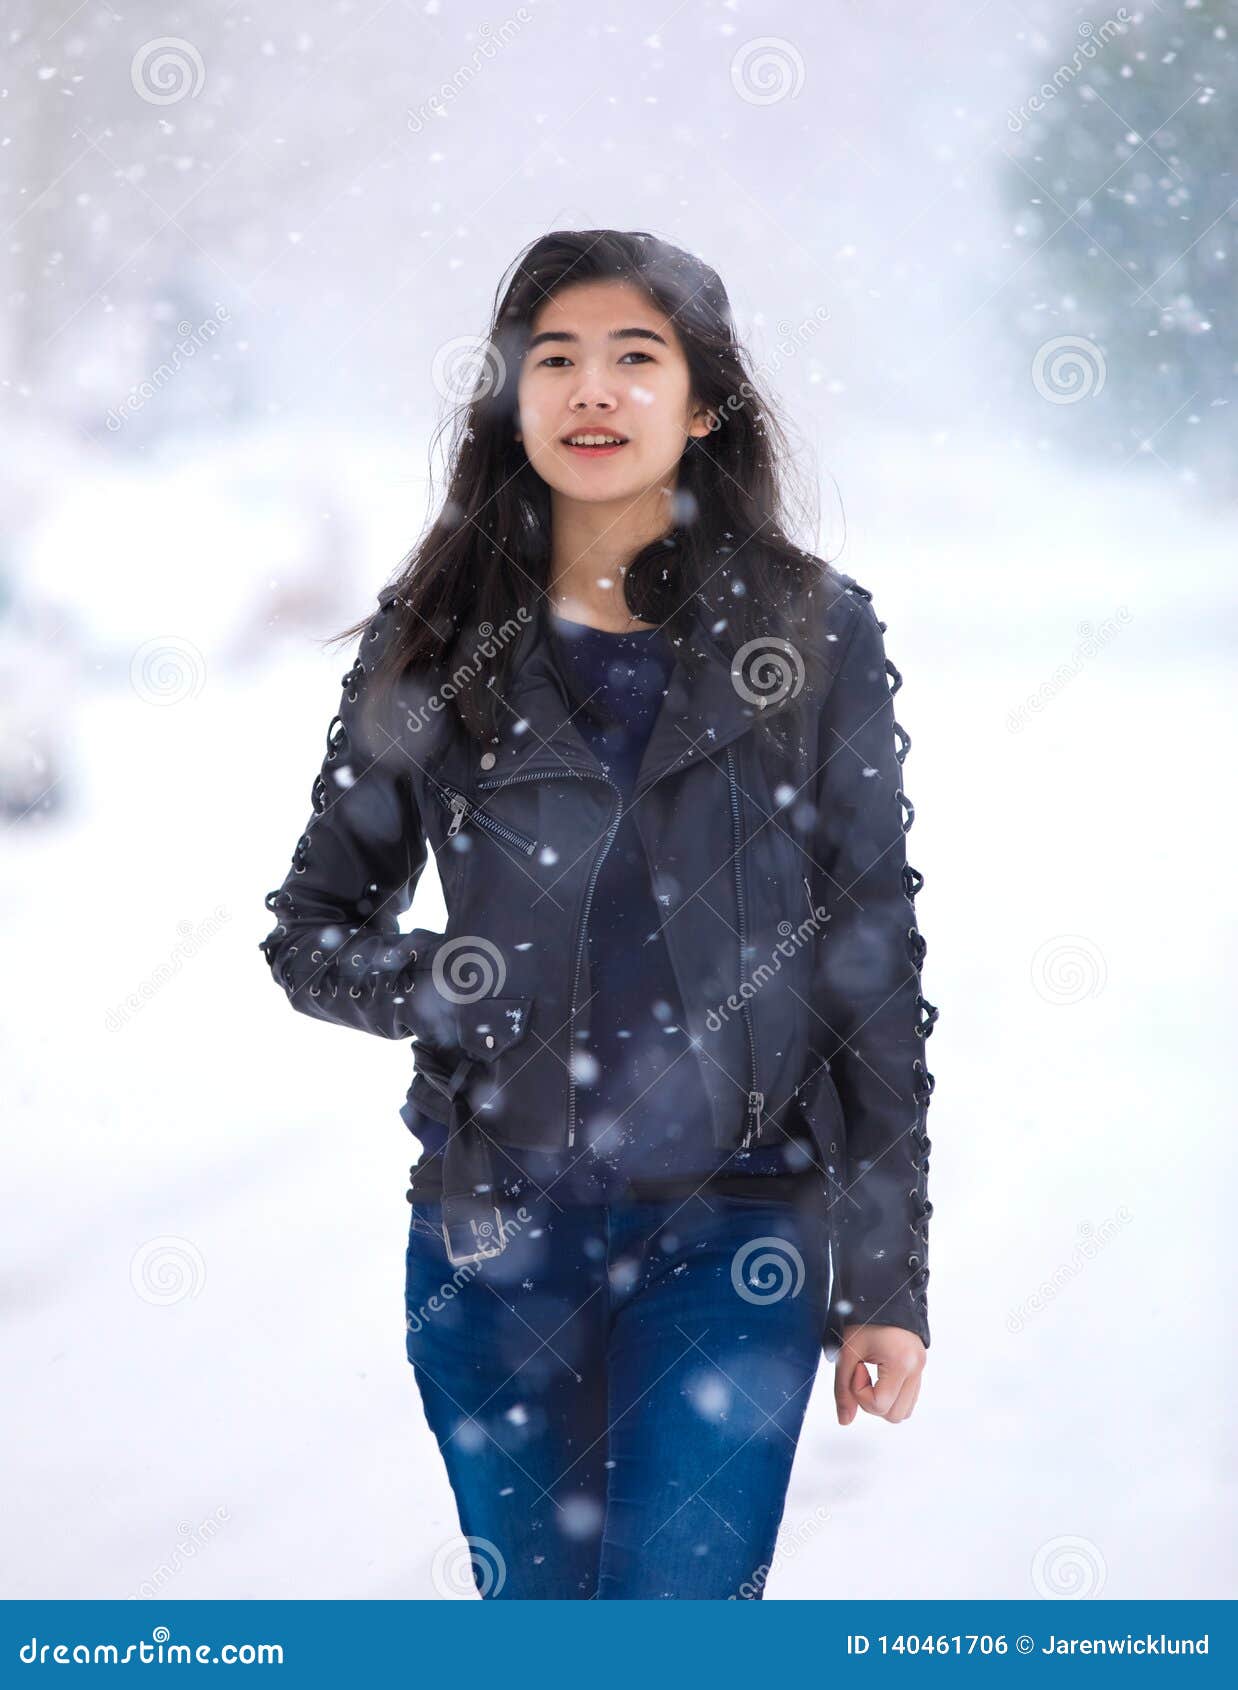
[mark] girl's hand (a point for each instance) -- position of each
(899, 1358)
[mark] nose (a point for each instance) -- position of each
(593, 391)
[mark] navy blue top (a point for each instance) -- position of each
(643, 1119)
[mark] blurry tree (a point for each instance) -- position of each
(1123, 181)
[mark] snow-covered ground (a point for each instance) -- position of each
(205, 1219)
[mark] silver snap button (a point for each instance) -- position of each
(487, 759)
(489, 1041)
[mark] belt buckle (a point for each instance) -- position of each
(483, 1232)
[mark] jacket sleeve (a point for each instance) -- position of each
(336, 948)
(868, 990)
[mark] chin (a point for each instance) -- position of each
(599, 490)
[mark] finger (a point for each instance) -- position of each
(847, 1372)
(906, 1399)
(880, 1398)
(863, 1389)
(853, 1375)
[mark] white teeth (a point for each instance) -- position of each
(593, 440)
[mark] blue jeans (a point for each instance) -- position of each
(617, 1395)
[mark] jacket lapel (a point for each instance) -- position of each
(696, 719)
(536, 732)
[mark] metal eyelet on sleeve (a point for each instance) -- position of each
(337, 738)
(929, 1012)
(352, 680)
(924, 1081)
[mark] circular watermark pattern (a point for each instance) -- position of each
(468, 968)
(468, 368)
(765, 1270)
(766, 70)
(167, 1270)
(765, 671)
(1068, 1566)
(1068, 969)
(469, 1565)
(167, 670)
(488, 1237)
(167, 70)
(1068, 369)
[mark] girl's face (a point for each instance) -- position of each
(604, 361)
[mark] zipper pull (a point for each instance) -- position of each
(755, 1100)
(458, 806)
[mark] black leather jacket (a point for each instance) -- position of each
(778, 862)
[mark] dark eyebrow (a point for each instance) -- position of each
(562, 335)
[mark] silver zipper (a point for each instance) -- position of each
(462, 811)
(581, 774)
(756, 1099)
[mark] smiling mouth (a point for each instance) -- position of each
(594, 442)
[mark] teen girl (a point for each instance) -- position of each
(669, 1080)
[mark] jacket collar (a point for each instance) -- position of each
(696, 720)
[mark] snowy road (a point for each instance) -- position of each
(1079, 912)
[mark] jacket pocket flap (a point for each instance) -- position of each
(449, 1006)
(488, 1026)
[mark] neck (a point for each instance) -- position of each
(590, 547)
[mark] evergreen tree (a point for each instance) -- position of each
(1124, 173)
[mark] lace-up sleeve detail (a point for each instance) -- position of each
(868, 987)
(336, 947)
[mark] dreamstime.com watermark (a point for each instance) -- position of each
(492, 41)
(470, 967)
(1068, 968)
(767, 69)
(1068, 1567)
(1092, 642)
(792, 939)
(787, 1546)
(792, 340)
(1093, 40)
(470, 1566)
(191, 342)
(159, 1651)
(468, 368)
(1069, 368)
(417, 1319)
(766, 671)
(167, 669)
(193, 936)
(167, 1270)
(463, 673)
(190, 1543)
(167, 70)
(1092, 1240)
(765, 1270)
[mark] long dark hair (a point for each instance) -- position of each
(487, 553)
